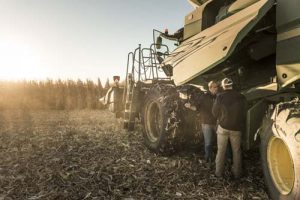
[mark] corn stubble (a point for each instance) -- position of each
(86, 155)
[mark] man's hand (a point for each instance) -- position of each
(189, 106)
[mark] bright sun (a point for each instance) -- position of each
(18, 61)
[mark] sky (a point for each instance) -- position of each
(86, 39)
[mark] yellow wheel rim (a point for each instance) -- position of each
(281, 165)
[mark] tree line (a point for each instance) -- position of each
(52, 94)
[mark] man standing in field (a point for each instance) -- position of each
(208, 121)
(230, 110)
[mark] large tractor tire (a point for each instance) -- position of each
(280, 151)
(160, 118)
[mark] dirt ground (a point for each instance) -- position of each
(87, 155)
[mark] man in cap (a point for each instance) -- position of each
(230, 110)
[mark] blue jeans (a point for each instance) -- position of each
(209, 134)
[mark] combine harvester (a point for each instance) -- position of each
(256, 43)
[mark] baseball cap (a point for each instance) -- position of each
(226, 82)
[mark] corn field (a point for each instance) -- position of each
(52, 94)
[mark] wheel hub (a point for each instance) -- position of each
(153, 122)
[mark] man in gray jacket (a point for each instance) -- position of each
(230, 110)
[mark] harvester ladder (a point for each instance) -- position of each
(142, 66)
(129, 113)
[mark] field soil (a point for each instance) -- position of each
(87, 155)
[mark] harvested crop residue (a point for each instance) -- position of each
(87, 155)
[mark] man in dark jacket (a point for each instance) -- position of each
(208, 121)
(204, 105)
(230, 110)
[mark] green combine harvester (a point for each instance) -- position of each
(256, 43)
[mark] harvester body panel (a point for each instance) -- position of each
(207, 49)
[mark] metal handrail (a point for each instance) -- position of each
(139, 66)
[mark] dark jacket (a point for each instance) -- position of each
(204, 106)
(230, 109)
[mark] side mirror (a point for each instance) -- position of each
(158, 42)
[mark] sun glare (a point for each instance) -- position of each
(18, 61)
